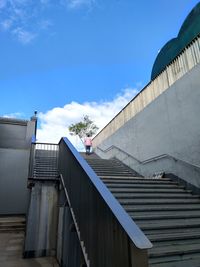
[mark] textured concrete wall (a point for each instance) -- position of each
(168, 125)
(189, 58)
(13, 181)
(41, 230)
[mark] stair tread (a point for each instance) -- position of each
(167, 224)
(176, 235)
(179, 263)
(174, 249)
(153, 195)
(164, 207)
(164, 216)
(135, 180)
(166, 212)
(158, 201)
(141, 185)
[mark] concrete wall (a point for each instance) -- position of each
(168, 125)
(15, 141)
(16, 133)
(42, 217)
(13, 181)
(182, 64)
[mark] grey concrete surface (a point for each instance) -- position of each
(14, 194)
(16, 133)
(15, 143)
(11, 248)
(41, 230)
(168, 125)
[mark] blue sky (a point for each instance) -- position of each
(59, 54)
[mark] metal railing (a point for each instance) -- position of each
(42, 150)
(108, 235)
(182, 168)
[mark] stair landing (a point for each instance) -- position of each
(11, 246)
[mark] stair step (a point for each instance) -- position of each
(9, 230)
(158, 201)
(159, 216)
(12, 224)
(46, 162)
(42, 164)
(112, 178)
(154, 195)
(164, 213)
(37, 164)
(134, 180)
(174, 249)
(44, 174)
(111, 173)
(11, 219)
(175, 190)
(169, 224)
(176, 242)
(46, 171)
(142, 185)
(192, 261)
(167, 213)
(179, 231)
(109, 167)
(51, 178)
(174, 236)
(151, 207)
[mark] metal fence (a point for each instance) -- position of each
(107, 234)
(41, 151)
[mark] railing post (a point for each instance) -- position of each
(139, 257)
(31, 160)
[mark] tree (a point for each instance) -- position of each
(83, 128)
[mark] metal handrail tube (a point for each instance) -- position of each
(110, 236)
(51, 144)
(150, 159)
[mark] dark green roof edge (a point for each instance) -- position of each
(189, 30)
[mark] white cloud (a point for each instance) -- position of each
(14, 115)
(24, 36)
(6, 24)
(45, 24)
(55, 122)
(27, 19)
(23, 19)
(75, 4)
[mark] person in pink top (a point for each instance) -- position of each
(88, 144)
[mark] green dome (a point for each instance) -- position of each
(189, 30)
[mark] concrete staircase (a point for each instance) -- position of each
(10, 224)
(168, 214)
(45, 165)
